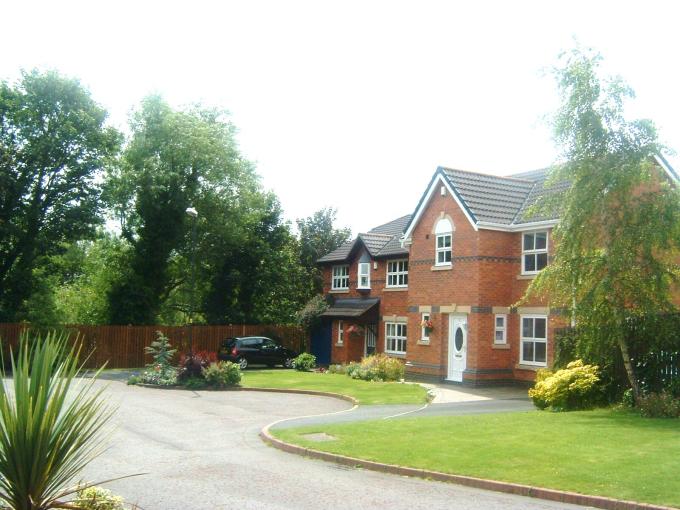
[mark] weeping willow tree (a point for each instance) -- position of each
(616, 244)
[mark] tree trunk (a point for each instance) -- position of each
(630, 371)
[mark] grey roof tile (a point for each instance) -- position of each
(380, 241)
(350, 307)
(339, 254)
(392, 248)
(374, 242)
(394, 227)
(489, 197)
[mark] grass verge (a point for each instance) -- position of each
(367, 393)
(604, 452)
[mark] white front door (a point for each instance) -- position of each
(457, 347)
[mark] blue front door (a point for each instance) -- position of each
(321, 343)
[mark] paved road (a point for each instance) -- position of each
(202, 451)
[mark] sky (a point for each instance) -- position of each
(354, 104)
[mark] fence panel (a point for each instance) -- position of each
(123, 346)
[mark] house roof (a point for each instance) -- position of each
(381, 241)
(350, 307)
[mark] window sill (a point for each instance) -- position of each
(446, 267)
(533, 368)
(500, 346)
(363, 288)
(526, 276)
(338, 291)
(401, 355)
(339, 344)
(424, 341)
(395, 289)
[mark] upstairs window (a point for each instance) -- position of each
(397, 273)
(364, 275)
(534, 252)
(443, 234)
(340, 279)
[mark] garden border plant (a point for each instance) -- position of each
(52, 425)
(196, 371)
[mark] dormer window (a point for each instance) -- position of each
(534, 252)
(443, 234)
(364, 275)
(340, 279)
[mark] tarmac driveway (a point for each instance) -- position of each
(201, 451)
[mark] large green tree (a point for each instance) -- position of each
(246, 260)
(53, 145)
(616, 245)
(171, 156)
(318, 237)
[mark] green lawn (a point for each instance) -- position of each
(365, 392)
(604, 452)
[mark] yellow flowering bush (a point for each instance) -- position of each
(574, 387)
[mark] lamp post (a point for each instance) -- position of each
(194, 214)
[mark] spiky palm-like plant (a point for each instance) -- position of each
(51, 424)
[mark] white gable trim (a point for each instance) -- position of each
(489, 225)
(426, 200)
(667, 168)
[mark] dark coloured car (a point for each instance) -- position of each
(255, 350)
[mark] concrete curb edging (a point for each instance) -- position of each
(478, 483)
(339, 396)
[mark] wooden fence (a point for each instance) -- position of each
(123, 346)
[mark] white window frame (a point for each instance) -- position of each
(503, 328)
(533, 339)
(534, 252)
(337, 279)
(341, 333)
(401, 273)
(424, 335)
(443, 249)
(367, 265)
(396, 335)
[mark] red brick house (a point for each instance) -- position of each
(435, 288)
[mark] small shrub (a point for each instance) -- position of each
(97, 498)
(222, 373)
(134, 380)
(160, 350)
(159, 376)
(192, 365)
(304, 362)
(659, 405)
(195, 383)
(628, 399)
(160, 372)
(574, 387)
(337, 369)
(378, 367)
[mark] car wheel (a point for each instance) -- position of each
(242, 362)
(288, 363)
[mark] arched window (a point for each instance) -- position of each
(443, 234)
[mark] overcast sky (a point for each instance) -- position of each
(354, 104)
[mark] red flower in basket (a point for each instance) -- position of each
(427, 325)
(355, 330)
